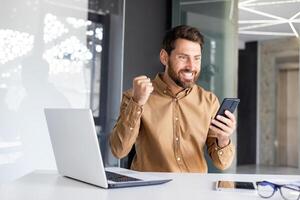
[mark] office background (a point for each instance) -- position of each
(83, 54)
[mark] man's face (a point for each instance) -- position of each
(184, 63)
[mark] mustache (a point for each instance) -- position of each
(187, 70)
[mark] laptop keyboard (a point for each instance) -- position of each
(119, 177)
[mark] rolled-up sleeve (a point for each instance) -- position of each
(222, 157)
(126, 130)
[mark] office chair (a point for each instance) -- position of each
(126, 161)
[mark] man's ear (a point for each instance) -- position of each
(163, 55)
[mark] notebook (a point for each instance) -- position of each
(77, 151)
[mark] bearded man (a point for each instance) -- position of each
(170, 120)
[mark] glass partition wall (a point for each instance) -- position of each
(217, 21)
(55, 54)
(275, 26)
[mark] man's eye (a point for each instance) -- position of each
(182, 57)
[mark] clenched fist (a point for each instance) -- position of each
(142, 88)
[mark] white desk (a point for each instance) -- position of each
(44, 185)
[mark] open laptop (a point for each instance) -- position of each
(77, 152)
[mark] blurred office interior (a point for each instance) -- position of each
(84, 54)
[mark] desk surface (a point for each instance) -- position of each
(49, 185)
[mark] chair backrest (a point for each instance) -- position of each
(126, 161)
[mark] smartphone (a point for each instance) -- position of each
(235, 186)
(229, 104)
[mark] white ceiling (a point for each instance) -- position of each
(268, 19)
(258, 19)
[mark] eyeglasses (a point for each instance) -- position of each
(266, 189)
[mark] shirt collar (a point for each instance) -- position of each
(163, 88)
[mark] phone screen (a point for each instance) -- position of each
(235, 185)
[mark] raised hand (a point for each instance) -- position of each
(142, 88)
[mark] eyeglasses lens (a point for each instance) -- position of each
(265, 190)
(290, 192)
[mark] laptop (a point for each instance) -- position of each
(77, 151)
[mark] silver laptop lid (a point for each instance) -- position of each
(75, 145)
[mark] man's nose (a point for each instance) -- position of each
(191, 63)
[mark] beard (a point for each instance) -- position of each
(180, 82)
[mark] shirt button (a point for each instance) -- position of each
(178, 158)
(176, 138)
(220, 153)
(138, 112)
(165, 91)
(131, 128)
(176, 118)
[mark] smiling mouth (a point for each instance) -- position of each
(187, 75)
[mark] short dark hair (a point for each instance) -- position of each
(181, 32)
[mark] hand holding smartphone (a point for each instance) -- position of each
(229, 104)
(218, 130)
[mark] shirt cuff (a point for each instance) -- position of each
(225, 154)
(133, 112)
(224, 146)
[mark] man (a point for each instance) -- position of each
(170, 119)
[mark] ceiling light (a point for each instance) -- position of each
(296, 15)
(294, 30)
(260, 13)
(246, 2)
(250, 29)
(269, 3)
(268, 21)
(260, 25)
(266, 33)
(200, 2)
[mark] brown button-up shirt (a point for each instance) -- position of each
(170, 131)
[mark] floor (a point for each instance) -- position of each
(255, 169)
